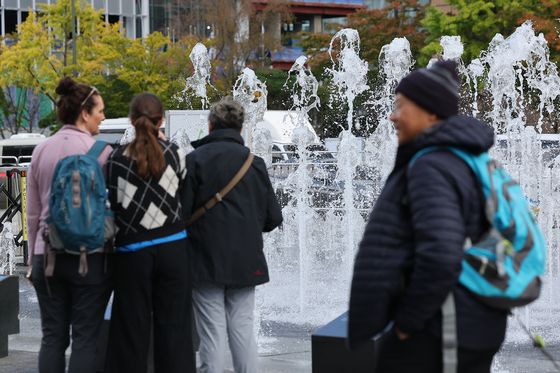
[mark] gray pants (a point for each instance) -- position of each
(221, 313)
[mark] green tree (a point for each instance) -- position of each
(546, 19)
(476, 22)
(42, 54)
(376, 27)
(117, 66)
(20, 110)
(156, 65)
(379, 27)
(279, 96)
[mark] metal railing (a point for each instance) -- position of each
(13, 200)
(325, 188)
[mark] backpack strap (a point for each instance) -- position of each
(449, 341)
(96, 149)
(422, 153)
(461, 154)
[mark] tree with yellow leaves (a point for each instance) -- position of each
(40, 56)
(117, 66)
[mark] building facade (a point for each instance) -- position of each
(378, 4)
(134, 14)
(307, 16)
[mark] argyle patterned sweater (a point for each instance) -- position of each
(146, 209)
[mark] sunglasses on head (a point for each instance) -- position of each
(93, 90)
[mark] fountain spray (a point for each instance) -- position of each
(200, 78)
(349, 77)
(250, 92)
(304, 94)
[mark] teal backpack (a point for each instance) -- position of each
(78, 212)
(503, 269)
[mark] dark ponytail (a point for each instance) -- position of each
(146, 110)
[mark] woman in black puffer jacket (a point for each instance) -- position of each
(409, 259)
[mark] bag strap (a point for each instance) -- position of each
(96, 149)
(449, 328)
(222, 193)
(449, 335)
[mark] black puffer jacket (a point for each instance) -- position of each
(409, 259)
(227, 244)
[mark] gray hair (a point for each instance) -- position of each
(227, 113)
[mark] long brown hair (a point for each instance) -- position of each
(146, 110)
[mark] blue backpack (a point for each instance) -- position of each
(78, 211)
(503, 269)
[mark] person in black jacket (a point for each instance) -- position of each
(409, 259)
(227, 244)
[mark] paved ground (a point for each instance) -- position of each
(288, 350)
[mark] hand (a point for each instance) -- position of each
(401, 335)
(28, 275)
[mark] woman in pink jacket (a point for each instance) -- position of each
(67, 300)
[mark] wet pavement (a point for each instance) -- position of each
(286, 350)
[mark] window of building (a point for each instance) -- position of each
(24, 16)
(139, 27)
(375, 4)
(288, 27)
(332, 25)
(114, 19)
(157, 17)
(25, 4)
(306, 25)
(11, 21)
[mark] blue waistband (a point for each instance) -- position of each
(158, 241)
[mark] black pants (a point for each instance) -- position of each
(422, 353)
(154, 281)
(75, 301)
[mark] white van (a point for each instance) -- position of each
(280, 123)
(112, 130)
(18, 148)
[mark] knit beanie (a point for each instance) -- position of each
(435, 89)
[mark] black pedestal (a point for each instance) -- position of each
(9, 310)
(329, 353)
